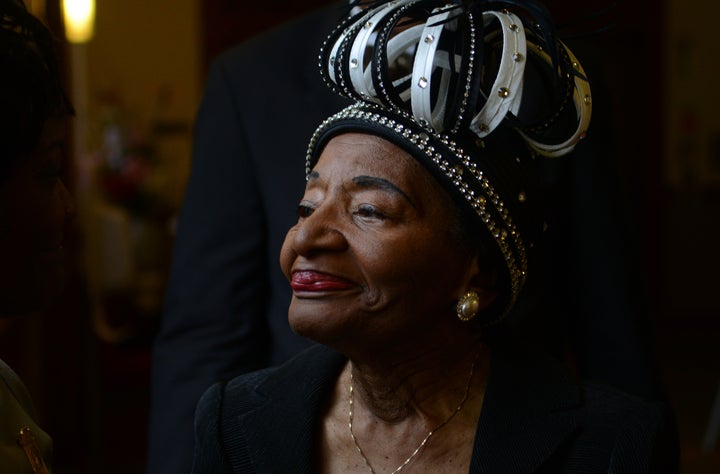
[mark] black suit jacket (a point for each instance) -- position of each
(226, 303)
(535, 419)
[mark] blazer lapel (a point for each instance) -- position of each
(529, 410)
(287, 422)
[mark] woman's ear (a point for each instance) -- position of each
(482, 279)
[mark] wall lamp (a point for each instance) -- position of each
(79, 17)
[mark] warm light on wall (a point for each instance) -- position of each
(37, 7)
(79, 20)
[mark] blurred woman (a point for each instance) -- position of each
(35, 208)
(415, 238)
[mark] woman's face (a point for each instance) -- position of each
(35, 208)
(374, 256)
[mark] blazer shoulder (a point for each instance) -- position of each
(305, 371)
(613, 405)
(240, 392)
(637, 434)
(235, 396)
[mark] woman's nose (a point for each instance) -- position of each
(320, 231)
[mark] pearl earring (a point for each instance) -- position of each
(468, 306)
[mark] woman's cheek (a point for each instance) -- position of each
(287, 254)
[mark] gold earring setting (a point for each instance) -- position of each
(468, 306)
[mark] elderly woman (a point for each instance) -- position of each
(414, 240)
(35, 208)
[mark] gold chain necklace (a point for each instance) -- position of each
(427, 437)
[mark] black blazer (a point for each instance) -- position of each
(535, 419)
(226, 303)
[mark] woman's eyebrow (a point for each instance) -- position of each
(371, 182)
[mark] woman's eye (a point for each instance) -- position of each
(369, 211)
(304, 210)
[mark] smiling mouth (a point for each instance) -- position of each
(312, 281)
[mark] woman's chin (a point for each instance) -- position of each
(307, 324)
(317, 322)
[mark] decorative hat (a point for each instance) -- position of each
(475, 91)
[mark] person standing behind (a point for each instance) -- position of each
(35, 208)
(226, 303)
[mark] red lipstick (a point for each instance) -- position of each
(307, 280)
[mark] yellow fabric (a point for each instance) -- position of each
(17, 412)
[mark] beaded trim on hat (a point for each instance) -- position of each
(464, 173)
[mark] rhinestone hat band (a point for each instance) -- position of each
(448, 83)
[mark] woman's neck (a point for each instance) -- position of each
(429, 385)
